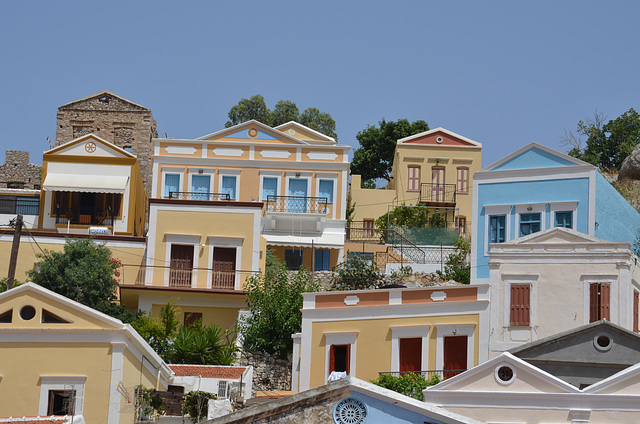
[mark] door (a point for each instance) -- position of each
(181, 265)
(411, 354)
(297, 201)
(224, 267)
(437, 184)
(455, 355)
(339, 358)
(200, 187)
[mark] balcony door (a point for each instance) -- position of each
(411, 354)
(181, 265)
(200, 187)
(455, 355)
(224, 267)
(437, 184)
(297, 195)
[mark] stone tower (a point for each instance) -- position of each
(17, 172)
(115, 119)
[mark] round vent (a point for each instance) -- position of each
(439, 140)
(27, 312)
(505, 374)
(602, 342)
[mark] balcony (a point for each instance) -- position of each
(84, 216)
(192, 195)
(297, 204)
(296, 214)
(438, 195)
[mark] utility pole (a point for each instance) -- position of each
(14, 251)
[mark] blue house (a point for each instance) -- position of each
(536, 188)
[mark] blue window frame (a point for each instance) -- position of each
(564, 219)
(529, 223)
(293, 259)
(200, 187)
(497, 228)
(229, 185)
(325, 189)
(269, 187)
(171, 184)
(322, 259)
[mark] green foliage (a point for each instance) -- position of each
(457, 267)
(197, 344)
(283, 112)
(149, 402)
(195, 404)
(368, 184)
(85, 272)
(3, 284)
(374, 158)
(630, 190)
(635, 248)
(275, 303)
(408, 384)
(159, 333)
(351, 208)
(356, 274)
(412, 216)
(607, 145)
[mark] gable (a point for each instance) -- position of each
(438, 137)
(534, 156)
(103, 100)
(251, 131)
(89, 146)
(301, 132)
(556, 235)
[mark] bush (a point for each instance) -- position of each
(196, 405)
(458, 267)
(409, 384)
(356, 274)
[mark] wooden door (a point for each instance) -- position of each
(224, 267)
(437, 185)
(181, 265)
(455, 355)
(411, 354)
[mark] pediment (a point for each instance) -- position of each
(439, 137)
(533, 156)
(302, 132)
(557, 235)
(254, 132)
(89, 145)
(103, 100)
(30, 306)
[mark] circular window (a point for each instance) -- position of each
(439, 140)
(350, 411)
(27, 312)
(505, 374)
(602, 342)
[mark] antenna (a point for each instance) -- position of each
(50, 142)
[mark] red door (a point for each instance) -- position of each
(455, 355)
(411, 355)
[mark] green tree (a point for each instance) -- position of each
(409, 216)
(196, 405)
(85, 272)
(275, 303)
(357, 273)
(458, 267)
(159, 333)
(3, 284)
(283, 112)
(374, 158)
(605, 145)
(408, 384)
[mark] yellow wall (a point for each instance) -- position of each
(225, 317)
(369, 203)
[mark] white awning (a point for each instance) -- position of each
(326, 241)
(85, 183)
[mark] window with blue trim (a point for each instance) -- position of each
(269, 187)
(171, 184)
(200, 185)
(325, 189)
(322, 259)
(564, 219)
(229, 185)
(293, 259)
(529, 223)
(497, 228)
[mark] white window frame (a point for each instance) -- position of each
(229, 173)
(329, 177)
(227, 388)
(234, 242)
(61, 382)
(205, 171)
(614, 308)
(188, 239)
(496, 210)
(462, 329)
(535, 208)
(563, 207)
(340, 338)
(510, 280)
(171, 170)
(404, 332)
(269, 174)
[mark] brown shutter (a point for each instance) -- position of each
(636, 303)
(332, 359)
(593, 302)
(604, 301)
(348, 359)
(520, 304)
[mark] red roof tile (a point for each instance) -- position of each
(208, 371)
(39, 420)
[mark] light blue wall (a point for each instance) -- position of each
(534, 158)
(385, 413)
(523, 192)
(617, 219)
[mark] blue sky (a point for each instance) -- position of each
(503, 73)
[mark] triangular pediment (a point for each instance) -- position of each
(89, 145)
(254, 132)
(533, 156)
(302, 132)
(439, 137)
(556, 235)
(31, 306)
(103, 100)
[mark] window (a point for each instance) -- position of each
(564, 219)
(61, 402)
(181, 265)
(462, 225)
(463, 181)
(411, 354)
(339, 356)
(322, 260)
(520, 301)
(599, 301)
(223, 389)
(191, 318)
(200, 187)
(326, 190)
(293, 259)
(497, 233)
(413, 181)
(171, 185)
(229, 186)
(636, 302)
(269, 187)
(529, 223)
(367, 227)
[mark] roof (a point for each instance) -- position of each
(208, 371)
(561, 158)
(439, 129)
(100, 94)
(77, 419)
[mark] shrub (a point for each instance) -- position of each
(356, 274)
(408, 384)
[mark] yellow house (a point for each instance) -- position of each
(434, 330)
(59, 357)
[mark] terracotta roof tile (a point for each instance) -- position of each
(41, 420)
(208, 371)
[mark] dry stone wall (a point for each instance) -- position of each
(269, 372)
(17, 172)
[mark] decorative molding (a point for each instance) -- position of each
(180, 150)
(351, 300)
(322, 155)
(222, 151)
(438, 296)
(277, 154)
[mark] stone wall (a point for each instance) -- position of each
(17, 172)
(269, 372)
(112, 118)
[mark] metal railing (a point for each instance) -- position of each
(427, 375)
(84, 216)
(297, 204)
(193, 195)
(437, 193)
(19, 205)
(395, 240)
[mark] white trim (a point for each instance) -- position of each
(492, 211)
(444, 130)
(539, 146)
(340, 338)
(463, 329)
(183, 239)
(275, 154)
(232, 242)
(522, 208)
(269, 174)
(117, 375)
(409, 331)
(61, 382)
(210, 172)
(614, 307)
(334, 180)
(256, 163)
(173, 171)
(508, 281)
(503, 382)
(225, 172)
(555, 207)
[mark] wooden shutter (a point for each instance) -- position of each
(411, 354)
(413, 180)
(604, 301)
(599, 297)
(636, 303)
(520, 304)
(332, 357)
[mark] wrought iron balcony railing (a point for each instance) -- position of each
(193, 195)
(437, 193)
(297, 204)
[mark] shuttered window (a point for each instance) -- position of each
(462, 185)
(520, 301)
(413, 181)
(599, 301)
